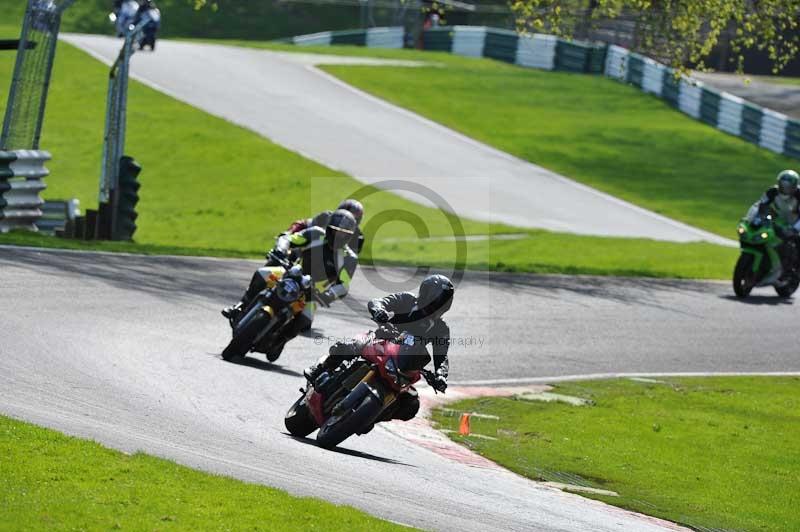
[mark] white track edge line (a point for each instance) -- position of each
(599, 376)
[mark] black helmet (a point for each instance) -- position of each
(435, 295)
(340, 228)
(354, 207)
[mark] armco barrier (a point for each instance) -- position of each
(385, 37)
(726, 112)
(322, 38)
(729, 119)
(21, 181)
(468, 40)
(773, 131)
(616, 65)
(537, 51)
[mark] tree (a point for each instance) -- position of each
(679, 32)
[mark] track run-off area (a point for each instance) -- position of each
(287, 99)
(124, 349)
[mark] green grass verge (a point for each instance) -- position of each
(708, 452)
(49, 481)
(779, 80)
(212, 188)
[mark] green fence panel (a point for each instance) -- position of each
(597, 59)
(791, 146)
(353, 38)
(751, 123)
(501, 46)
(709, 107)
(438, 40)
(635, 70)
(571, 56)
(671, 88)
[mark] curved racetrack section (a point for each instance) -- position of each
(124, 349)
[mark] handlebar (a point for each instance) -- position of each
(281, 260)
(315, 296)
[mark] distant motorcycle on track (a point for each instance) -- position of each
(351, 398)
(760, 261)
(262, 323)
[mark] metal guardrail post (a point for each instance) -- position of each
(21, 181)
(114, 134)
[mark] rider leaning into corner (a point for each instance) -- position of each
(782, 201)
(419, 316)
(324, 255)
(353, 206)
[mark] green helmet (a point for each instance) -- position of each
(787, 182)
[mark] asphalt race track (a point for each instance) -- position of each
(124, 349)
(285, 98)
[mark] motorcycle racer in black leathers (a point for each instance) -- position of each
(420, 316)
(323, 254)
(354, 207)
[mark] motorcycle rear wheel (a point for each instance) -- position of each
(742, 275)
(299, 421)
(244, 336)
(338, 428)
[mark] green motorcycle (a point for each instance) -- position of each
(760, 261)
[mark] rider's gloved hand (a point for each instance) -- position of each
(379, 315)
(386, 331)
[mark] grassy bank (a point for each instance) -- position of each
(49, 481)
(708, 452)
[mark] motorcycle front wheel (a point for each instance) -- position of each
(338, 428)
(299, 421)
(244, 336)
(788, 289)
(742, 275)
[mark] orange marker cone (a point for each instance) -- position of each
(463, 427)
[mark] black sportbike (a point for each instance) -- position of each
(262, 324)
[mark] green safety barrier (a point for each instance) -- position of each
(352, 37)
(791, 145)
(635, 71)
(671, 88)
(750, 129)
(573, 56)
(709, 107)
(438, 40)
(501, 46)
